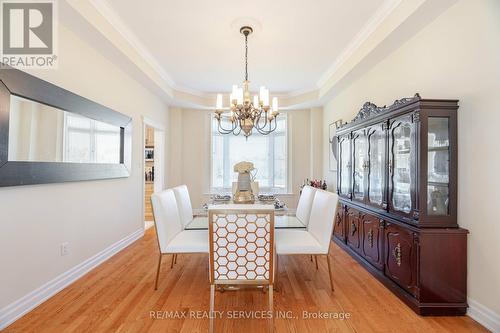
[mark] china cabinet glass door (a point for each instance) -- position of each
(438, 166)
(401, 168)
(376, 166)
(360, 149)
(345, 166)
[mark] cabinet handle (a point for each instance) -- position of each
(396, 253)
(370, 238)
(390, 166)
(353, 228)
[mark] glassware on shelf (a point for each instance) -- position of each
(438, 165)
(377, 167)
(345, 167)
(401, 195)
(360, 150)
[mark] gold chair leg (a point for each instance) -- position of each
(276, 272)
(172, 263)
(271, 308)
(316, 259)
(158, 272)
(212, 304)
(330, 271)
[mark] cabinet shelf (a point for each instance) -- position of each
(441, 148)
(444, 184)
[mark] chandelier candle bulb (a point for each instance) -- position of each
(275, 104)
(240, 96)
(255, 100)
(266, 97)
(219, 102)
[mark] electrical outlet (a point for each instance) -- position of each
(64, 249)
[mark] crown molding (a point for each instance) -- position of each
(373, 24)
(116, 22)
(390, 19)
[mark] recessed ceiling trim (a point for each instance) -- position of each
(103, 8)
(375, 21)
(368, 36)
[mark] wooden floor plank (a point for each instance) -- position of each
(118, 296)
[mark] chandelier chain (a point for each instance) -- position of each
(246, 57)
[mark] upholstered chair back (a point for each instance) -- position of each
(166, 216)
(184, 204)
(241, 246)
(323, 211)
(305, 203)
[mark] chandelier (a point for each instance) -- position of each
(245, 113)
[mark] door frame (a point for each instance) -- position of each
(157, 126)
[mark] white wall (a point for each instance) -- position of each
(90, 215)
(457, 56)
(190, 146)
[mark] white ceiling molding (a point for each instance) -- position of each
(120, 27)
(387, 22)
(375, 21)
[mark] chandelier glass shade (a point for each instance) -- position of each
(247, 113)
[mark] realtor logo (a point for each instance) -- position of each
(28, 34)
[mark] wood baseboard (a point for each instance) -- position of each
(25, 304)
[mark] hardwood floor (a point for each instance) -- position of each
(119, 296)
(148, 208)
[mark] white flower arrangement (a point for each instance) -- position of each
(243, 167)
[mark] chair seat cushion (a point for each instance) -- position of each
(281, 221)
(189, 241)
(296, 242)
(199, 222)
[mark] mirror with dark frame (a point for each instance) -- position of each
(50, 135)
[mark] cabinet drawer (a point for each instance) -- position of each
(353, 227)
(339, 226)
(401, 257)
(371, 239)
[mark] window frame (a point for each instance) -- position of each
(93, 132)
(271, 143)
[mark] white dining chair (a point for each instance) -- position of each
(241, 250)
(315, 240)
(172, 238)
(185, 207)
(303, 211)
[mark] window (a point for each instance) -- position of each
(90, 141)
(268, 153)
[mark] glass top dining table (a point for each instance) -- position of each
(282, 217)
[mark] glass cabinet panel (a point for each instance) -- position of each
(438, 163)
(376, 159)
(345, 165)
(401, 167)
(360, 155)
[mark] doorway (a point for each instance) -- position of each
(153, 179)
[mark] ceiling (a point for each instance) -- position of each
(197, 46)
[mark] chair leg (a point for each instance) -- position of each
(316, 259)
(172, 263)
(311, 258)
(212, 304)
(158, 272)
(175, 259)
(330, 271)
(271, 308)
(276, 272)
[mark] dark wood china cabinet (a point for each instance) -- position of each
(397, 182)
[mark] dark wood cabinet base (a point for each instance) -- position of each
(446, 306)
